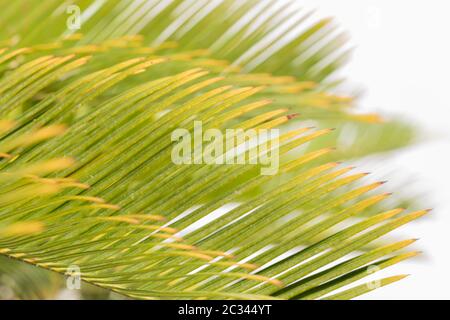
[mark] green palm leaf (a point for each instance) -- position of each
(86, 152)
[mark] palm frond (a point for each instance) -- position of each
(86, 152)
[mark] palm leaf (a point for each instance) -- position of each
(86, 148)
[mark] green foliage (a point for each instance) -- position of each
(86, 170)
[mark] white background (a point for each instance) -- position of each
(401, 58)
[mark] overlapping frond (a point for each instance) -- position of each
(269, 36)
(278, 44)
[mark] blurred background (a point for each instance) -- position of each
(400, 61)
